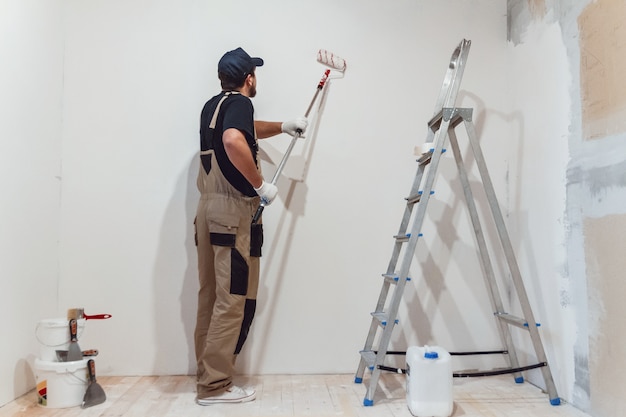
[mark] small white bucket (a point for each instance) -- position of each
(53, 335)
(61, 384)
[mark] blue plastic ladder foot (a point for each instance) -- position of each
(555, 401)
(519, 380)
(358, 380)
(368, 403)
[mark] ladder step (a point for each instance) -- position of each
(402, 238)
(382, 318)
(369, 357)
(427, 157)
(515, 321)
(412, 199)
(406, 237)
(435, 122)
(393, 278)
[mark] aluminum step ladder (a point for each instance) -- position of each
(441, 128)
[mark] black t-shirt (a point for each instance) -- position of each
(235, 112)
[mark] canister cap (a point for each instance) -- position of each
(431, 355)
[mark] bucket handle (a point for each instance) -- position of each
(60, 344)
(79, 379)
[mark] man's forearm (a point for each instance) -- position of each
(267, 129)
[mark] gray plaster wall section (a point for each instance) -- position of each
(518, 19)
(576, 268)
(596, 176)
(602, 182)
(596, 187)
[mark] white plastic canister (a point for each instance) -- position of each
(429, 381)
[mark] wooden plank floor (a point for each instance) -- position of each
(299, 396)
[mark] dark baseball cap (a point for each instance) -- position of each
(236, 64)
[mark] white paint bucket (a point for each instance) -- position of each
(61, 384)
(53, 335)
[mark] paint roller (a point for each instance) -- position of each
(332, 61)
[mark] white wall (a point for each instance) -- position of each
(136, 75)
(539, 155)
(30, 148)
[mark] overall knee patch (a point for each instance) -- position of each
(238, 273)
(245, 325)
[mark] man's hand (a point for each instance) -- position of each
(267, 191)
(295, 126)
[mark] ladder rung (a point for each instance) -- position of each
(515, 321)
(402, 238)
(369, 357)
(425, 158)
(433, 124)
(393, 278)
(406, 237)
(412, 199)
(382, 318)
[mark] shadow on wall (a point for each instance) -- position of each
(175, 318)
(432, 259)
(24, 375)
(448, 215)
(293, 191)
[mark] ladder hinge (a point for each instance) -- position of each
(456, 115)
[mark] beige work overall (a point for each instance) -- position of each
(228, 274)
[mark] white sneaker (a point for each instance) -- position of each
(233, 394)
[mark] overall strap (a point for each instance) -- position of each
(217, 109)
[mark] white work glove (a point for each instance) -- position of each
(292, 127)
(267, 191)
